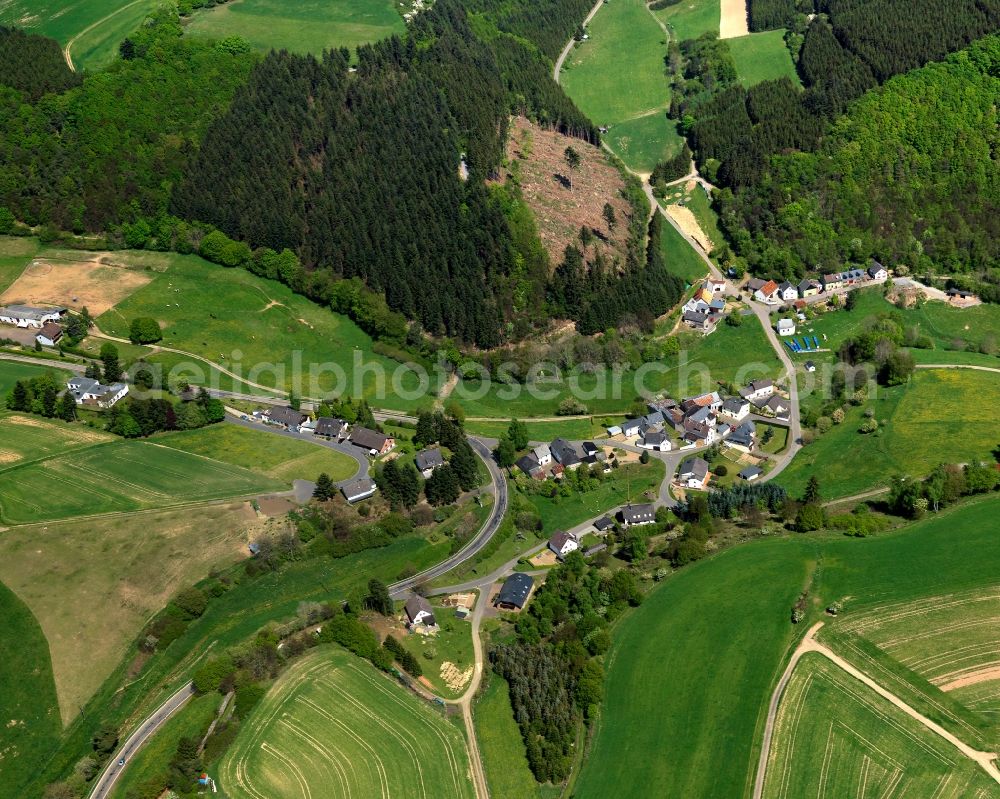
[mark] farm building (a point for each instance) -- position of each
(359, 489)
(563, 543)
(29, 315)
(49, 335)
(87, 391)
(515, 592)
(427, 460)
(371, 440)
(419, 611)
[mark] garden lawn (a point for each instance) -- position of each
(334, 726)
(501, 745)
(305, 26)
(929, 421)
(119, 476)
(688, 19)
(28, 704)
(280, 457)
(262, 331)
(451, 644)
(92, 585)
(644, 141)
(762, 56)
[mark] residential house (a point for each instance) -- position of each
(776, 405)
(530, 466)
(810, 366)
(419, 611)
(788, 291)
(427, 460)
(29, 315)
(877, 272)
(637, 515)
(693, 473)
(542, 454)
(328, 427)
(743, 437)
(371, 440)
(49, 335)
(590, 448)
(755, 284)
(359, 489)
(768, 293)
(657, 441)
(833, 281)
(715, 286)
(651, 421)
(604, 524)
(515, 592)
(563, 543)
(750, 473)
(87, 391)
(631, 427)
(288, 418)
(809, 288)
(735, 408)
(854, 276)
(757, 390)
(786, 327)
(565, 453)
(711, 400)
(698, 320)
(699, 434)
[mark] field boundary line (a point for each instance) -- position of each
(89, 28)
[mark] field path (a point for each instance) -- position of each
(89, 28)
(958, 366)
(986, 760)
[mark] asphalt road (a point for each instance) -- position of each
(132, 744)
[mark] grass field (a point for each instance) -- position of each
(618, 75)
(836, 737)
(946, 324)
(680, 257)
(644, 141)
(689, 19)
(15, 254)
(28, 704)
(717, 612)
(501, 745)
(282, 458)
(118, 476)
(260, 330)
(26, 438)
(304, 26)
(922, 424)
(12, 371)
(96, 27)
(762, 56)
(93, 584)
(332, 726)
(570, 429)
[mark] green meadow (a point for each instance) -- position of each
(718, 632)
(12, 371)
(689, 19)
(762, 56)
(15, 254)
(303, 26)
(644, 141)
(680, 257)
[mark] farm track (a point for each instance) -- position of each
(69, 45)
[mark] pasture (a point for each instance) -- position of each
(836, 737)
(92, 28)
(570, 429)
(618, 74)
(15, 254)
(920, 425)
(304, 26)
(335, 727)
(689, 19)
(25, 438)
(762, 56)
(263, 332)
(118, 476)
(731, 611)
(280, 457)
(28, 704)
(644, 141)
(92, 585)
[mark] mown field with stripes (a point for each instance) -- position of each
(332, 726)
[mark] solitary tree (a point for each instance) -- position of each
(144, 330)
(518, 433)
(19, 400)
(324, 488)
(378, 598)
(573, 162)
(609, 215)
(109, 359)
(506, 452)
(813, 494)
(67, 407)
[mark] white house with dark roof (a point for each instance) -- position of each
(877, 272)
(376, 443)
(563, 543)
(49, 335)
(635, 515)
(542, 454)
(743, 437)
(785, 327)
(757, 390)
(419, 612)
(693, 473)
(655, 440)
(427, 460)
(777, 405)
(750, 473)
(285, 417)
(359, 489)
(788, 291)
(328, 427)
(87, 391)
(735, 408)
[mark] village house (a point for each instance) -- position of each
(755, 284)
(768, 293)
(328, 427)
(699, 320)
(788, 292)
(289, 418)
(87, 391)
(715, 286)
(809, 288)
(530, 466)
(712, 400)
(662, 405)
(374, 442)
(735, 408)
(833, 281)
(604, 524)
(877, 272)
(630, 427)
(693, 473)
(777, 406)
(49, 335)
(786, 327)
(515, 592)
(757, 390)
(563, 543)
(699, 433)
(743, 437)
(657, 441)
(637, 515)
(750, 473)
(427, 460)
(419, 612)
(565, 454)
(359, 489)
(542, 454)
(29, 315)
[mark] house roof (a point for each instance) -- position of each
(604, 523)
(78, 386)
(417, 604)
(631, 514)
(590, 447)
(559, 540)
(734, 405)
(542, 451)
(695, 466)
(358, 489)
(768, 288)
(31, 312)
(755, 283)
(328, 426)
(784, 286)
(775, 402)
(875, 268)
(564, 452)
(750, 472)
(695, 317)
(704, 399)
(429, 459)
(743, 434)
(528, 464)
(807, 284)
(515, 590)
(631, 424)
(759, 385)
(368, 439)
(655, 438)
(51, 331)
(786, 323)
(286, 416)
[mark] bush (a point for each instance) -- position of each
(144, 330)
(721, 470)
